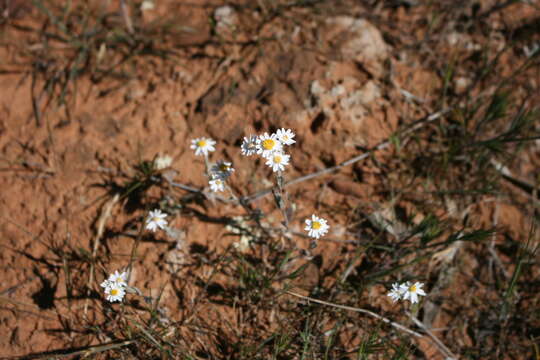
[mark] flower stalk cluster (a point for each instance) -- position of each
(115, 286)
(270, 147)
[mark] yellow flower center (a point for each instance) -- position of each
(277, 159)
(224, 167)
(285, 137)
(412, 288)
(114, 292)
(155, 219)
(201, 143)
(316, 225)
(268, 144)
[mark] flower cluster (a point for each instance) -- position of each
(406, 291)
(156, 220)
(115, 286)
(270, 147)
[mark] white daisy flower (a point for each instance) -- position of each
(156, 220)
(222, 169)
(249, 145)
(411, 292)
(316, 227)
(268, 144)
(277, 161)
(162, 162)
(217, 184)
(105, 284)
(114, 292)
(396, 293)
(115, 278)
(285, 136)
(203, 146)
(119, 278)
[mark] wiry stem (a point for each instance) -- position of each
(363, 311)
(105, 214)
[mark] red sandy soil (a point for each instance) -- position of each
(308, 75)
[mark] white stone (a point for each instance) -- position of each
(365, 44)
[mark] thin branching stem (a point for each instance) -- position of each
(359, 310)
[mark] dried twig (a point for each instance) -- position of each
(528, 189)
(362, 311)
(105, 214)
(442, 348)
(491, 247)
(127, 18)
(27, 308)
(57, 354)
(13, 288)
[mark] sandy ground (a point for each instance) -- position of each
(339, 81)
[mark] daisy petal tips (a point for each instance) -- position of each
(285, 136)
(316, 227)
(396, 293)
(277, 161)
(411, 292)
(156, 220)
(118, 278)
(203, 146)
(222, 170)
(249, 145)
(407, 291)
(217, 184)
